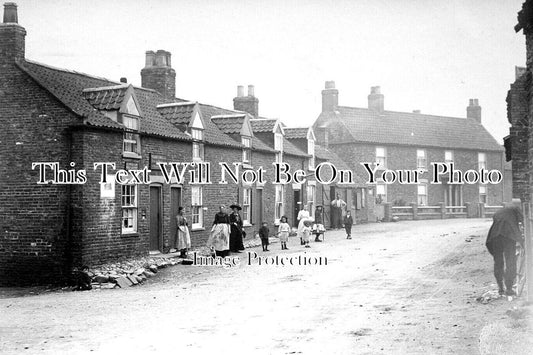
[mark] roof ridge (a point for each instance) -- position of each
(83, 74)
(411, 113)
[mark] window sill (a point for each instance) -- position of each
(131, 155)
(195, 229)
(129, 234)
(247, 224)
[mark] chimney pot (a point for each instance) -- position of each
(150, 59)
(330, 84)
(376, 100)
(240, 91)
(473, 110)
(10, 13)
(123, 80)
(251, 90)
(161, 58)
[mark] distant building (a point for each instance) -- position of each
(411, 140)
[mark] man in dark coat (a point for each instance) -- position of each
(501, 242)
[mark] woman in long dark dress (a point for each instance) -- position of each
(236, 234)
(219, 237)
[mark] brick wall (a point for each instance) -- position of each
(33, 234)
(403, 157)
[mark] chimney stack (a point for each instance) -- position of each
(248, 103)
(473, 110)
(376, 100)
(330, 97)
(12, 36)
(158, 74)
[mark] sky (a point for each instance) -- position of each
(426, 55)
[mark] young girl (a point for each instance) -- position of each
(283, 232)
(306, 232)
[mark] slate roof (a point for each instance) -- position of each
(68, 87)
(296, 132)
(106, 98)
(402, 128)
(263, 124)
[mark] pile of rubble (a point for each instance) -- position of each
(128, 273)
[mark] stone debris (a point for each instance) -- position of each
(127, 273)
(488, 296)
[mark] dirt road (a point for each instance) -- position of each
(396, 288)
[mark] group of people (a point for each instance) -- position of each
(227, 233)
(307, 226)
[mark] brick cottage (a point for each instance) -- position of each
(52, 115)
(412, 140)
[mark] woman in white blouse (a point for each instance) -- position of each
(303, 215)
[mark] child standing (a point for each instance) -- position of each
(283, 232)
(306, 232)
(348, 221)
(263, 234)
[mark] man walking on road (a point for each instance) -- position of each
(501, 242)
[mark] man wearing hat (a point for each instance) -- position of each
(237, 232)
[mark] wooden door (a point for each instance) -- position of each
(155, 218)
(175, 202)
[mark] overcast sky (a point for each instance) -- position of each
(427, 55)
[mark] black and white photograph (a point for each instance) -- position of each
(266, 177)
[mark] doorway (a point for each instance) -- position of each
(297, 206)
(155, 218)
(175, 202)
(259, 204)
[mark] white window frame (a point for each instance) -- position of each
(247, 150)
(421, 159)
(129, 200)
(482, 160)
(381, 157)
(197, 208)
(449, 158)
(247, 206)
(311, 195)
(279, 157)
(278, 142)
(131, 141)
(278, 203)
(381, 186)
(422, 198)
(197, 145)
(483, 193)
(311, 152)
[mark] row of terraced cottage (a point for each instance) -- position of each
(77, 120)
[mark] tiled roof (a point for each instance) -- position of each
(296, 132)
(404, 128)
(68, 87)
(263, 124)
(212, 133)
(106, 98)
(229, 124)
(258, 144)
(291, 149)
(324, 154)
(177, 114)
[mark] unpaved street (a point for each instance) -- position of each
(396, 288)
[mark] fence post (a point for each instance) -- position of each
(387, 212)
(442, 210)
(415, 211)
(481, 210)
